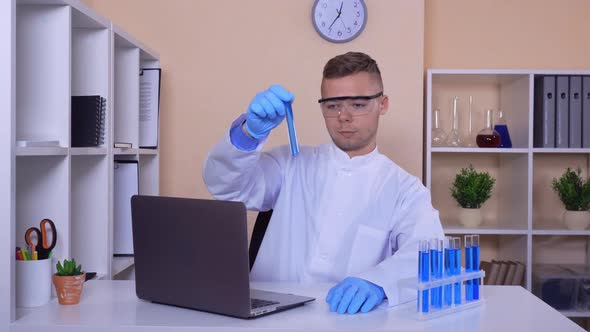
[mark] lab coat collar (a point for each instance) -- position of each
(342, 159)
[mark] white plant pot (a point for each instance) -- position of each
(576, 220)
(470, 218)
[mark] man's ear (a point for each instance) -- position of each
(384, 105)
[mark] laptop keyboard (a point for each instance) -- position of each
(258, 303)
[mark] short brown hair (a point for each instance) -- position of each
(351, 63)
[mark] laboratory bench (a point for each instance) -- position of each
(108, 305)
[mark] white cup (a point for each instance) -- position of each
(33, 282)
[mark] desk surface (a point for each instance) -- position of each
(113, 306)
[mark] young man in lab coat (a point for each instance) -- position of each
(343, 212)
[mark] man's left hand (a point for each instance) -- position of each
(352, 294)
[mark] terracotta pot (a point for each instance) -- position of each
(576, 220)
(68, 288)
(470, 218)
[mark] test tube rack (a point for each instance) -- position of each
(447, 289)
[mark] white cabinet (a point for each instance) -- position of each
(523, 218)
(51, 51)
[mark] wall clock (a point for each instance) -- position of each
(339, 21)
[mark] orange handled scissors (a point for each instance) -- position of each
(40, 243)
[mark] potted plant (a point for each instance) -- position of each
(68, 281)
(574, 193)
(471, 189)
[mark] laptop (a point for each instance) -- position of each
(193, 253)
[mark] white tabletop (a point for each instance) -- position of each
(113, 306)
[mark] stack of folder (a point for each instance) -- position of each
(503, 272)
(562, 112)
(88, 120)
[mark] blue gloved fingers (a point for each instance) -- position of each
(371, 303)
(257, 109)
(359, 298)
(337, 293)
(282, 93)
(269, 110)
(278, 104)
(347, 298)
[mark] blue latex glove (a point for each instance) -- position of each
(267, 110)
(352, 294)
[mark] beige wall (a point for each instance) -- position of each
(529, 34)
(218, 54)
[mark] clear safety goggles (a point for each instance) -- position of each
(355, 105)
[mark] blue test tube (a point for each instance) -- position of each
(449, 260)
(292, 134)
(436, 271)
(468, 268)
(423, 274)
(457, 267)
(475, 264)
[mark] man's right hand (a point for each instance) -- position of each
(266, 111)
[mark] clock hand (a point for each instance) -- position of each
(330, 27)
(340, 11)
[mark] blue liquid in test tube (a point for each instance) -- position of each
(423, 274)
(448, 263)
(457, 267)
(436, 271)
(475, 264)
(468, 268)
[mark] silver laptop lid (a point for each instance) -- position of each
(192, 253)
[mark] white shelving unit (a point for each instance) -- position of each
(58, 49)
(523, 218)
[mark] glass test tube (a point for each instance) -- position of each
(468, 268)
(436, 271)
(448, 263)
(423, 274)
(475, 264)
(457, 267)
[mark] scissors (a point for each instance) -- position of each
(40, 243)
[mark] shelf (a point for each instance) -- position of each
(148, 151)
(575, 313)
(120, 264)
(41, 151)
(556, 228)
(483, 230)
(88, 151)
(554, 150)
(479, 150)
(122, 151)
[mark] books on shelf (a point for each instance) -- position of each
(503, 272)
(149, 107)
(37, 143)
(88, 120)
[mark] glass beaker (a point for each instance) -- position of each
(502, 128)
(470, 138)
(454, 137)
(488, 137)
(438, 134)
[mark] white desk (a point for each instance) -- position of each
(113, 306)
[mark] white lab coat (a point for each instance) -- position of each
(333, 216)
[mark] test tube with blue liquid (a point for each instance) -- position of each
(475, 265)
(468, 268)
(436, 271)
(449, 260)
(423, 274)
(456, 267)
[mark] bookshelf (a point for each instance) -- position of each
(58, 49)
(523, 218)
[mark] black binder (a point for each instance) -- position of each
(88, 121)
(544, 119)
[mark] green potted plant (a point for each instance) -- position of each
(471, 189)
(574, 193)
(68, 281)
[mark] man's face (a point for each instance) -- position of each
(355, 135)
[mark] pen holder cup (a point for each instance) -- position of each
(33, 282)
(447, 295)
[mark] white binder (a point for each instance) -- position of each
(126, 184)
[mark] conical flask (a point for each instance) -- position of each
(502, 128)
(454, 137)
(488, 137)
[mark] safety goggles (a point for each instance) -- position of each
(355, 105)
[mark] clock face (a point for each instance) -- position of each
(339, 21)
